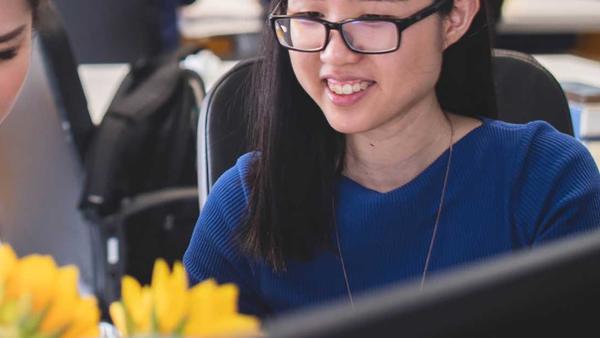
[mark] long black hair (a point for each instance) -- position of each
(299, 157)
(34, 5)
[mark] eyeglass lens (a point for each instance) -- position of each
(362, 36)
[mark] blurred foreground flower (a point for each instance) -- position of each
(40, 300)
(168, 308)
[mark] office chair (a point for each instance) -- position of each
(525, 92)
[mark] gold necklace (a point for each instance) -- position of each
(435, 226)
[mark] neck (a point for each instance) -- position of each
(390, 156)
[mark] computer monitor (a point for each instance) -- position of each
(41, 172)
(553, 290)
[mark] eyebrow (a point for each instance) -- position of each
(376, 0)
(12, 34)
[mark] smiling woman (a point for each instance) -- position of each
(378, 159)
(16, 25)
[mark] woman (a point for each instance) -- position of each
(16, 26)
(379, 160)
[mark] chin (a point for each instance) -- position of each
(345, 123)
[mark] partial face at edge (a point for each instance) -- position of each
(15, 50)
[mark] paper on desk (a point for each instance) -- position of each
(210, 9)
(206, 18)
(571, 68)
(543, 9)
(550, 16)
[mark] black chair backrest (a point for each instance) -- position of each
(222, 126)
(525, 92)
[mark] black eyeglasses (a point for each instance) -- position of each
(366, 35)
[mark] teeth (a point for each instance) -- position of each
(337, 89)
(347, 88)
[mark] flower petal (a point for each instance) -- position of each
(86, 320)
(35, 276)
(65, 299)
(117, 314)
(8, 260)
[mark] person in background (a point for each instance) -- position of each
(17, 19)
(378, 159)
(169, 31)
(495, 10)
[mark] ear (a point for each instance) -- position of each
(459, 20)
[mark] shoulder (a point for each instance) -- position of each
(234, 180)
(553, 182)
(537, 144)
(231, 191)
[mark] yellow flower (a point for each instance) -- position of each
(41, 300)
(34, 276)
(137, 303)
(170, 296)
(215, 312)
(8, 260)
(65, 299)
(119, 318)
(169, 308)
(85, 321)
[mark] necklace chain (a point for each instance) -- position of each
(435, 226)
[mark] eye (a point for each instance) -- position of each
(8, 54)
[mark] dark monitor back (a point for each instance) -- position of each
(106, 31)
(552, 290)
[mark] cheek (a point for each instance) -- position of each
(12, 76)
(414, 69)
(306, 68)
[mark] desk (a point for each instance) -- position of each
(550, 16)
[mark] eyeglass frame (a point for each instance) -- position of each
(401, 25)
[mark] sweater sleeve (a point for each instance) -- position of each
(213, 251)
(558, 188)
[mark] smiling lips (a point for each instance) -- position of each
(347, 87)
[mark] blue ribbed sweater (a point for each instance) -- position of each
(510, 187)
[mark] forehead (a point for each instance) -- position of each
(13, 13)
(349, 6)
(347, 2)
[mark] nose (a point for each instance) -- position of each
(336, 52)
